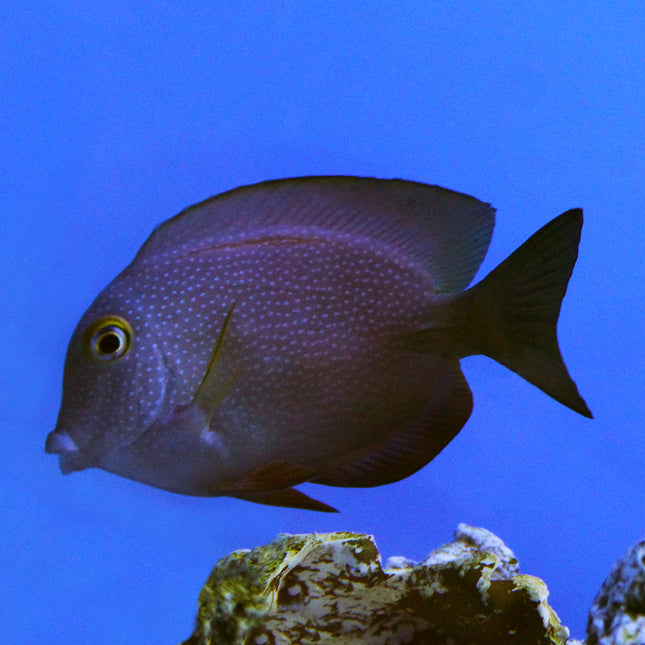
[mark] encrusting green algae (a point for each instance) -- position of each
(334, 588)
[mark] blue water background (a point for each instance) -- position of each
(115, 116)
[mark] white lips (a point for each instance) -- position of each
(59, 443)
(71, 457)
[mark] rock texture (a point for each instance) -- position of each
(333, 588)
(617, 615)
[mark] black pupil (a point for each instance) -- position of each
(109, 343)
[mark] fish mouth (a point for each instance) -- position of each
(70, 457)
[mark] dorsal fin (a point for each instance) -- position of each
(442, 231)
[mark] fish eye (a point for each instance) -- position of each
(108, 339)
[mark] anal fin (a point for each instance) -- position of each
(407, 452)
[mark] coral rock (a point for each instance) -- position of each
(333, 588)
(617, 615)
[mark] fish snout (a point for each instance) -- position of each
(70, 457)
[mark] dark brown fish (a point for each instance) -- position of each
(306, 330)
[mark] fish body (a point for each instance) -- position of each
(307, 329)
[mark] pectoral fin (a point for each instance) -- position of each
(214, 386)
(271, 484)
(289, 497)
(274, 475)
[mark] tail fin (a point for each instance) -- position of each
(522, 299)
(511, 315)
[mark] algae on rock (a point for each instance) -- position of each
(333, 588)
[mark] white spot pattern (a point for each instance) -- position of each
(307, 367)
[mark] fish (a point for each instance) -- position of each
(307, 330)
